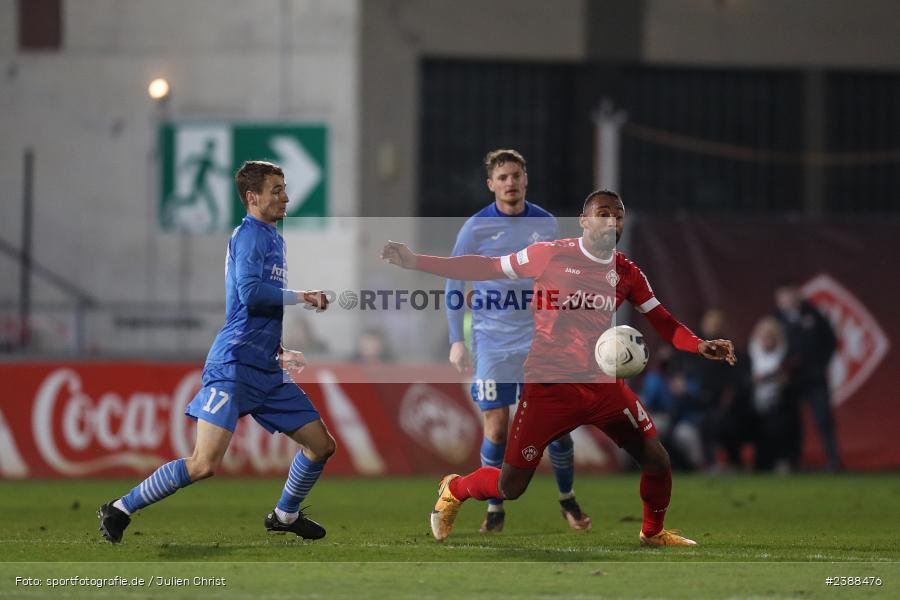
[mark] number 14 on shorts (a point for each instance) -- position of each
(223, 398)
(641, 416)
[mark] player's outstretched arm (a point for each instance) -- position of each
(469, 267)
(672, 330)
(718, 350)
(681, 337)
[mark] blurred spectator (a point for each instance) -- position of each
(722, 392)
(779, 434)
(673, 403)
(811, 344)
(372, 347)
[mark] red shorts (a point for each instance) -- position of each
(548, 410)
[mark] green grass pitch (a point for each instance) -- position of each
(765, 537)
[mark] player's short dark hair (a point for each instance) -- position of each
(597, 194)
(252, 175)
(496, 158)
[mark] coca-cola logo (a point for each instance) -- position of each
(435, 421)
(66, 423)
(862, 344)
(77, 434)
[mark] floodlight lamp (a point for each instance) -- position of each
(158, 89)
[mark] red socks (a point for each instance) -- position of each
(656, 491)
(480, 484)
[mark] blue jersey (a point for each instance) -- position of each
(255, 276)
(509, 326)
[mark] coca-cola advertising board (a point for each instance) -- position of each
(104, 419)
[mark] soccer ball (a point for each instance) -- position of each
(621, 352)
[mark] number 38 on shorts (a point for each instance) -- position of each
(488, 393)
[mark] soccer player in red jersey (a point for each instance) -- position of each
(578, 285)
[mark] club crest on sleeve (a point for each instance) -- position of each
(612, 277)
(530, 453)
(522, 256)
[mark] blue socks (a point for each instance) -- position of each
(164, 482)
(173, 476)
(562, 457)
(303, 475)
(492, 456)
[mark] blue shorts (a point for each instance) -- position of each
(498, 377)
(231, 391)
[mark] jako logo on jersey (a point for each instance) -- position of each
(573, 271)
(530, 453)
(497, 235)
(612, 278)
(862, 344)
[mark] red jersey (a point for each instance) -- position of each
(575, 297)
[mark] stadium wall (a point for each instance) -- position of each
(85, 111)
(799, 33)
(353, 65)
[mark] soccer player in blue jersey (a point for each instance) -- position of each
(244, 371)
(501, 337)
